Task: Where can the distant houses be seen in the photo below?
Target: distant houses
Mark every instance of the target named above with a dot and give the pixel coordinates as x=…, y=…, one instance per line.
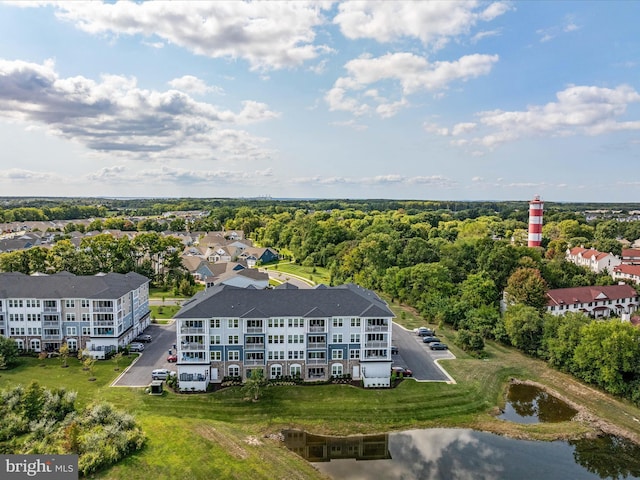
x=595, y=301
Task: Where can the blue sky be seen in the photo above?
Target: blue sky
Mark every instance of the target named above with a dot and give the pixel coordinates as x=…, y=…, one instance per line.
x=405, y=100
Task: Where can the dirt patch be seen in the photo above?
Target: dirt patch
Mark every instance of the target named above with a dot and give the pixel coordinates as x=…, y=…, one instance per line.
x=224, y=441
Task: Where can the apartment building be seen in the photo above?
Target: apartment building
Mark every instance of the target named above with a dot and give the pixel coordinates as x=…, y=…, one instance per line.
x=592, y=259
x=99, y=313
x=596, y=301
x=311, y=333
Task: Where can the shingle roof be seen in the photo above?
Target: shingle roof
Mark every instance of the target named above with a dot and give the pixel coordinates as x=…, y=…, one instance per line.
x=570, y=296
x=628, y=269
x=68, y=285
x=341, y=301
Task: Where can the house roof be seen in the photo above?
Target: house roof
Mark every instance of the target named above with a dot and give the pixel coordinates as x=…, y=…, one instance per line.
x=341, y=301
x=570, y=296
x=588, y=253
x=631, y=252
x=627, y=269
x=68, y=285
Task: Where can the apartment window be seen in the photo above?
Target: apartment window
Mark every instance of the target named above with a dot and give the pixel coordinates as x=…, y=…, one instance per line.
x=30, y=303
x=276, y=371
x=84, y=303
x=276, y=355
x=15, y=303
x=232, y=323
x=233, y=355
x=355, y=322
x=216, y=356
x=295, y=339
x=70, y=303
x=355, y=338
x=86, y=317
x=336, y=354
x=337, y=322
x=276, y=339
x=86, y=330
x=72, y=331
x=71, y=317
x=296, y=322
x=214, y=340
x=336, y=370
x=354, y=354
x=215, y=323
x=234, y=371
x=295, y=370
x=234, y=340
x=336, y=338
x=296, y=354
x=276, y=322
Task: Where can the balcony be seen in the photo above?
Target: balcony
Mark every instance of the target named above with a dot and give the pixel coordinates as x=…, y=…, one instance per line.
x=253, y=363
x=317, y=329
x=104, y=323
x=255, y=330
x=376, y=344
x=102, y=309
x=317, y=361
x=51, y=310
x=254, y=346
x=190, y=359
x=376, y=357
x=192, y=346
x=376, y=328
x=185, y=330
x=50, y=336
x=49, y=323
x=317, y=345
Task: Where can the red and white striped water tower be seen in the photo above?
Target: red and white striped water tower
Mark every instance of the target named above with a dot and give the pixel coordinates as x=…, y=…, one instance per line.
x=535, y=221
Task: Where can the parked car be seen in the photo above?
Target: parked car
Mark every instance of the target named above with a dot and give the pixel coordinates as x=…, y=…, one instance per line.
x=426, y=332
x=161, y=374
x=394, y=350
x=136, y=347
x=172, y=358
x=438, y=346
x=401, y=371
x=143, y=339
x=430, y=339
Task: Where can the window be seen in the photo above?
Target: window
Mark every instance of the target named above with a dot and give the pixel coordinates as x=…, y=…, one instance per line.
x=337, y=322
x=72, y=331
x=337, y=338
x=216, y=356
x=336, y=370
x=233, y=355
x=354, y=354
x=215, y=323
x=234, y=371
x=86, y=317
x=234, y=340
x=232, y=323
x=70, y=303
x=276, y=371
x=276, y=339
x=84, y=303
x=296, y=322
x=276, y=355
x=295, y=339
x=355, y=338
x=276, y=322
x=70, y=317
x=295, y=370
x=214, y=340
x=296, y=355
x=355, y=322
x=336, y=354
x=86, y=330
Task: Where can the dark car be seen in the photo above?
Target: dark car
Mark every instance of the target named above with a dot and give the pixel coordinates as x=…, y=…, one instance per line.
x=143, y=339
x=401, y=371
x=430, y=339
x=425, y=332
x=394, y=350
x=438, y=346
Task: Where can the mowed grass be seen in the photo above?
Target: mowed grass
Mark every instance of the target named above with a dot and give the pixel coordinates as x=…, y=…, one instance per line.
x=164, y=312
x=222, y=435
x=313, y=274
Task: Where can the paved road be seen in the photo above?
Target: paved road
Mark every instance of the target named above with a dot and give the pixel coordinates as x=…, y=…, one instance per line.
x=154, y=356
x=417, y=357
x=286, y=277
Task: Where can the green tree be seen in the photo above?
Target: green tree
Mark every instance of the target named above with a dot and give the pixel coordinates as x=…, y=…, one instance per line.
x=527, y=286
x=9, y=352
x=524, y=326
x=64, y=353
x=255, y=384
x=561, y=337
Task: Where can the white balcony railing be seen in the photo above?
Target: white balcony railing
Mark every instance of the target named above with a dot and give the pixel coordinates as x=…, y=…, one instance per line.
x=254, y=346
x=317, y=361
x=255, y=330
x=376, y=328
x=253, y=363
x=376, y=344
x=317, y=345
x=184, y=330
x=192, y=346
x=315, y=329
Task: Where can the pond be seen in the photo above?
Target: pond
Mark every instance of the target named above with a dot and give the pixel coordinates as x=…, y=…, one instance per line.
x=433, y=454
x=530, y=404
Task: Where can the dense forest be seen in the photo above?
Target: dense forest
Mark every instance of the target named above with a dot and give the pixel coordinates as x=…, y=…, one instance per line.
x=452, y=261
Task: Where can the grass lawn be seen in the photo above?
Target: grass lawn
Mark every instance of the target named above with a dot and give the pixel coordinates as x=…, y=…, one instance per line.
x=163, y=312
x=320, y=275
x=221, y=435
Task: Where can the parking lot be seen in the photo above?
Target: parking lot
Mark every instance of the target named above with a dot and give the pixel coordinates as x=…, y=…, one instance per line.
x=418, y=357
x=154, y=356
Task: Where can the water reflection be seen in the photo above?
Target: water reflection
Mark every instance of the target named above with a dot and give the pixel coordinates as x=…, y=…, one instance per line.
x=465, y=454
x=530, y=404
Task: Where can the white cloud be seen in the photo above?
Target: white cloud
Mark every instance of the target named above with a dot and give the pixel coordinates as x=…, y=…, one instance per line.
x=116, y=116
x=433, y=23
x=579, y=110
x=191, y=84
x=268, y=35
x=378, y=180
x=412, y=72
x=359, y=127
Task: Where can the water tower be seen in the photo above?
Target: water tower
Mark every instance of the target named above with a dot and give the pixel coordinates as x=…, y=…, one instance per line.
x=535, y=222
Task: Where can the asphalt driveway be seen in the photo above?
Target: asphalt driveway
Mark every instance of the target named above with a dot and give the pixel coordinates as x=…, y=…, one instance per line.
x=418, y=357
x=154, y=356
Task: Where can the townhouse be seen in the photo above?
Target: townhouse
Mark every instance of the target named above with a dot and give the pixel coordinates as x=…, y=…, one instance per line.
x=592, y=259
x=313, y=334
x=596, y=301
x=99, y=313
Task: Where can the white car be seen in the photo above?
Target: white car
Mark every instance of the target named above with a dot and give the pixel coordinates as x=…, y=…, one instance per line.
x=136, y=347
x=161, y=374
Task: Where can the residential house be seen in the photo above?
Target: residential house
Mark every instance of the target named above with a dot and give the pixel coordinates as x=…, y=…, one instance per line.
x=239, y=277
x=627, y=272
x=253, y=255
x=592, y=259
x=597, y=301
x=315, y=333
x=631, y=256
x=99, y=313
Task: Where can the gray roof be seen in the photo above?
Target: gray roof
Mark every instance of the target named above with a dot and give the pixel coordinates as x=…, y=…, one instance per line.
x=68, y=285
x=342, y=301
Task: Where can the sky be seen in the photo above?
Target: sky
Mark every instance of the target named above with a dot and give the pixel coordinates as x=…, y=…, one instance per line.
x=424, y=100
